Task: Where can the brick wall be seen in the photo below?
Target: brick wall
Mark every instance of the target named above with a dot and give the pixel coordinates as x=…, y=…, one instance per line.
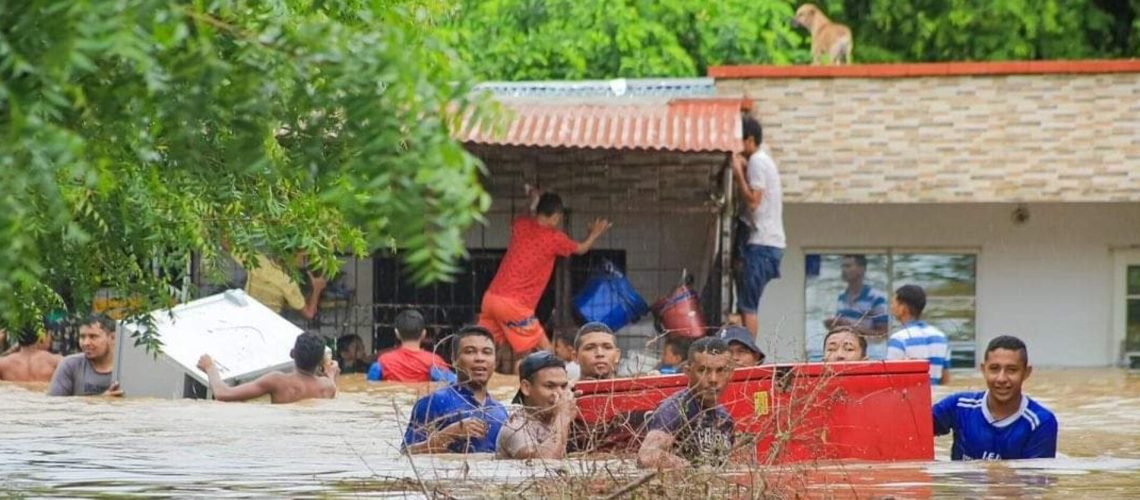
x=970, y=133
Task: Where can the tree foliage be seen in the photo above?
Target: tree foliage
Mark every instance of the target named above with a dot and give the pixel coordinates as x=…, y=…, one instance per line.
x=136, y=132
x=574, y=39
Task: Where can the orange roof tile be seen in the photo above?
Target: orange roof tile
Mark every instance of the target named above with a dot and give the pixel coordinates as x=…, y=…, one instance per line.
x=683, y=125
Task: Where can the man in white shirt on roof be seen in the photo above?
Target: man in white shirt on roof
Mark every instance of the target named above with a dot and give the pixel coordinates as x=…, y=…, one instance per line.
x=916, y=339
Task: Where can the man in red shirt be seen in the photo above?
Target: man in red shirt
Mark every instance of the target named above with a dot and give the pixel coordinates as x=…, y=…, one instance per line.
x=409, y=362
x=536, y=241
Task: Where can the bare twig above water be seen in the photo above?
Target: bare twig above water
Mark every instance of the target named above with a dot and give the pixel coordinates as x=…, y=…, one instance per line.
x=411, y=460
x=637, y=483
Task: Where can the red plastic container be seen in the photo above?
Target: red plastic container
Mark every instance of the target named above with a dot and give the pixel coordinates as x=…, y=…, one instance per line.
x=680, y=314
x=872, y=410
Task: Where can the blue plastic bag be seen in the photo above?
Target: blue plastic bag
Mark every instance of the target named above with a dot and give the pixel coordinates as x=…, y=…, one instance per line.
x=609, y=297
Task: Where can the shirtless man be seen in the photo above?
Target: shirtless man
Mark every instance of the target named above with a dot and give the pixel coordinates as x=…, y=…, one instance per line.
x=33, y=362
x=283, y=388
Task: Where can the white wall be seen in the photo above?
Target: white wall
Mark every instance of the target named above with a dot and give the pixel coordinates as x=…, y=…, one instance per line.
x=1048, y=281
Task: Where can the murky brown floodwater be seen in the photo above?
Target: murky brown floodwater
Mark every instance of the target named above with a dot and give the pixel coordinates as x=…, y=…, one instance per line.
x=349, y=447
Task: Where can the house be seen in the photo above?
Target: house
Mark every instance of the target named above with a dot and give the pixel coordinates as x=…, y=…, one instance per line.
x=1011, y=191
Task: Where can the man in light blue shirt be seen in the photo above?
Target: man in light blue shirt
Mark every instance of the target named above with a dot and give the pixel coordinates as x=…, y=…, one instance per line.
x=916, y=339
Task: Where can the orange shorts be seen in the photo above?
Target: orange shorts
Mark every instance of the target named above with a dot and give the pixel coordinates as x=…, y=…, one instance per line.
x=506, y=318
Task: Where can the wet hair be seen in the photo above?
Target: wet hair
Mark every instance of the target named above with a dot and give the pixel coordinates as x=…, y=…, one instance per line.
x=28, y=336
x=588, y=328
x=345, y=341
x=100, y=320
x=709, y=345
x=860, y=260
x=913, y=298
x=678, y=346
x=308, y=351
x=468, y=331
x=409, y=325
x=549, y=204
x=1008, y=342
x=846, y=329
x=752, y=129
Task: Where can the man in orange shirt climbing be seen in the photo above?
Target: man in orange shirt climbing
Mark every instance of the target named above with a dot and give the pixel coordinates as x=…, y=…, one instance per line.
x=509, y=303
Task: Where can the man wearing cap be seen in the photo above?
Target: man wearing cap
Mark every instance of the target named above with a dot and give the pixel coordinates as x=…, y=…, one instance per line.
x=537, y=240
x=541, y=427
x=741, y=347
x=692, y=426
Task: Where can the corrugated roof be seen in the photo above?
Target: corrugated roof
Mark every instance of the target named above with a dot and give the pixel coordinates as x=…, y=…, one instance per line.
x=683, y=125
x=646, y=87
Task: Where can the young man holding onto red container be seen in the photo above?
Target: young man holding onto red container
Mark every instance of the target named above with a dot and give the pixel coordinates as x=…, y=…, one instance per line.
x=509, y=304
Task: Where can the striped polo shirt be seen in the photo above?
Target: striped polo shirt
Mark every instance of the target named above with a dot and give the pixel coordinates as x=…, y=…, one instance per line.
x=869, y=309
x=918, y=340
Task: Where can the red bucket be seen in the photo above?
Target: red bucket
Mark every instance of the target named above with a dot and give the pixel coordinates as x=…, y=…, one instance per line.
x=679, y=314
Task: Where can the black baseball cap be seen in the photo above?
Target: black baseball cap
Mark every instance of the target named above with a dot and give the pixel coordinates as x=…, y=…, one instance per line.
x=742, y=336
x=532, y=364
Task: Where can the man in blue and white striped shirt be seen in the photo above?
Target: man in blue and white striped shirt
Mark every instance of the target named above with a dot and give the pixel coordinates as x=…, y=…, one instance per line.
x=861, y=307
x=916, y=339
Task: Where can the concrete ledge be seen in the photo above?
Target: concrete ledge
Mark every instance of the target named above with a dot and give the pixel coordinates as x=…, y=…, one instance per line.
x=913, y=70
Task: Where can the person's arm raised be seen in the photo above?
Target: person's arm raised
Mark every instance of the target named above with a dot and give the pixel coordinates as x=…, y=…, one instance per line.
x=597, y=229
x=244, y=392
x=555, y=446
x=752, y=197
x=313, y=301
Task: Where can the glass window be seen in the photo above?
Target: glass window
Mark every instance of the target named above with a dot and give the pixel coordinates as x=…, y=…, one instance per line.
x=1132, y=330
x=1133, y=280
x=1132, y=326
x=855, y=289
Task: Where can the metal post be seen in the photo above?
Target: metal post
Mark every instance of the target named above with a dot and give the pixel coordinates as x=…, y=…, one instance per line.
x=726, y=227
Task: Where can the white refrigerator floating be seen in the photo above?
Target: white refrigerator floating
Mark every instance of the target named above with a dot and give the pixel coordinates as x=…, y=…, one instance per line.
x=245, y=339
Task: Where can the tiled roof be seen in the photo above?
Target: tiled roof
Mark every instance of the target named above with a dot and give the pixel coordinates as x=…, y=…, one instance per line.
x=683, y=125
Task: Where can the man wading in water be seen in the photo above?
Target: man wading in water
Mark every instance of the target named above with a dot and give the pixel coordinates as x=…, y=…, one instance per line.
x=282, y=388
x=692, y=426
x=541, y=427
x=89, y=373
x=462, y=417
x=33, y=362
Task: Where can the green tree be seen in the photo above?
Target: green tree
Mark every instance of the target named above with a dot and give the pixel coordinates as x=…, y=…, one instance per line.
x=134, y=133
x=578, y=39
x=975, y=30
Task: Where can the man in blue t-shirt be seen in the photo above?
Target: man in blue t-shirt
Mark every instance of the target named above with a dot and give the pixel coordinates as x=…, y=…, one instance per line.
x=462, y=417
x=692, y=426
x=1001, y=423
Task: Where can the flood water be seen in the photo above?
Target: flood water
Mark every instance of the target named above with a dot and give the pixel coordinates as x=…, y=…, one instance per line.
x=350, y=447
